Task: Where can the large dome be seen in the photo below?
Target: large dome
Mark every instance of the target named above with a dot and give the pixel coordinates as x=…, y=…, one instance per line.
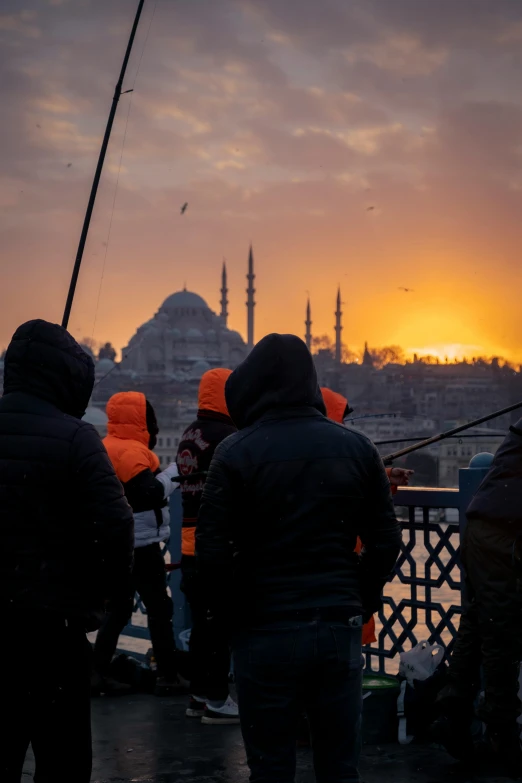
x=184, y=299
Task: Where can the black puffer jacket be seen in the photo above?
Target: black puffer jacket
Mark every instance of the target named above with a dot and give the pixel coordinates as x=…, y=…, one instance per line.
x=287, y=496
x=498, y=500
x=66, y=530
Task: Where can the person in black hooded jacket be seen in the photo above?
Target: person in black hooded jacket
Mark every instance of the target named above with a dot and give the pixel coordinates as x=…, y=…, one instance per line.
x=490, y=631
x=67, y=537
x=283, y=504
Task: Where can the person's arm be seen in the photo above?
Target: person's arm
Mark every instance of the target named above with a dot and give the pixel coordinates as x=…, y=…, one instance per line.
x=398, y=477
x=103, y=506
x=146, y=491
x=380, y=535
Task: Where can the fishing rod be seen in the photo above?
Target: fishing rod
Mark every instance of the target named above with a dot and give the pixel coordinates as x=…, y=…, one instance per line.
x=99, y=167
x=419, y=437
x=373, y=416
x=388, y=460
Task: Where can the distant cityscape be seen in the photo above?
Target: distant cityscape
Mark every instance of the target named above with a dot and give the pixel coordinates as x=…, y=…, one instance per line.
x=393, y=399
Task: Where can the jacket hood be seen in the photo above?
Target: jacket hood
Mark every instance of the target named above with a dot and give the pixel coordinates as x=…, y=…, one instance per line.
x=127, y=414
x=44, y=360
x=278, y=373
x=336, y=404
x=211, y=395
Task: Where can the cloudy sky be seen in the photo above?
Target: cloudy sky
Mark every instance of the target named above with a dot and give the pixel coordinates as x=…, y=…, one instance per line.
x=375, y=144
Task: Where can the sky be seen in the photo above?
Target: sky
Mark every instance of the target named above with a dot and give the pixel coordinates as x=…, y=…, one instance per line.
x=371, y=144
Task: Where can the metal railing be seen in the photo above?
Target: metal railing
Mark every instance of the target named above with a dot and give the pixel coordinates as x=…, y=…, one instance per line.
x=423, y=599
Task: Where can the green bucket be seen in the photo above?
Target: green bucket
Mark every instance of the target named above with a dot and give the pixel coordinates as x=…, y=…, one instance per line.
x=380, y=723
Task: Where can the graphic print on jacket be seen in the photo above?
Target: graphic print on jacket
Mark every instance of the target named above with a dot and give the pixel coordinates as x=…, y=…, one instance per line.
x=147, y=488
x=197, y=447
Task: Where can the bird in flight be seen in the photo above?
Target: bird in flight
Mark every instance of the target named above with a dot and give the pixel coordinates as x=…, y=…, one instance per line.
x=406, y=290
x=184, y=208
x=69, y=165
x=369, y=209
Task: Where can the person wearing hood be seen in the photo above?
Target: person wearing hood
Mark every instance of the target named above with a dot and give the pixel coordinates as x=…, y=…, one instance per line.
x=67, y=544
x=338, y=409
x=209, y=648
x=488, y=649
x=283, y=504
x=132, y=433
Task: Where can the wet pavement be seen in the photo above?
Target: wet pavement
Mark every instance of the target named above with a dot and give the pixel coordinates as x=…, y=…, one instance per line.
x=143, y=739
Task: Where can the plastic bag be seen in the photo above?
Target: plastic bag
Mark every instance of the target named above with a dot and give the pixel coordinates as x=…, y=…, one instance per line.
x=422, y=671
x=420, y=662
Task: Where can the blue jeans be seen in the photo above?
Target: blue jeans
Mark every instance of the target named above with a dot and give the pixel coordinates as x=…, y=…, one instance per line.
x=284, y=668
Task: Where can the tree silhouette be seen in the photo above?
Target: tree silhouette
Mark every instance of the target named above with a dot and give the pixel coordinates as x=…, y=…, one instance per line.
x=107, y=351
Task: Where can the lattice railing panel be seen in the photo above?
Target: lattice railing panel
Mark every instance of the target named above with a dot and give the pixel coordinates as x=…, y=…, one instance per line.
x=423, y=599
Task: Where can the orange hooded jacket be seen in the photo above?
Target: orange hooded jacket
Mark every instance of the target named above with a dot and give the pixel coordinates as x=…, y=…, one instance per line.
x=197, y=446
x=147, y=489
x=127, y=440
x=336, y=406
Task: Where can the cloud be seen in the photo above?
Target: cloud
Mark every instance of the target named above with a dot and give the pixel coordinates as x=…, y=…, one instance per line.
x=402, y=53
x=277, y=122
x=21, y=23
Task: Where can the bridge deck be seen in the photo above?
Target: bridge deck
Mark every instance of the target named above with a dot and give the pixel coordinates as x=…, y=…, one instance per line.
x=142, y=739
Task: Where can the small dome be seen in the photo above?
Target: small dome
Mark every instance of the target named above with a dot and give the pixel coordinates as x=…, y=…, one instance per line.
x=95, y=416
x=104, y=366
x=184, y=299
x=234, y=335
x=174, y=333
x=211, y=334
x=198, y=369
x=194, y=334
x=98, y=419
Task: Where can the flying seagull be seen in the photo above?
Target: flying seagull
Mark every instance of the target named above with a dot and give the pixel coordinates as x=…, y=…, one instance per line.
x=69, y=165
x=184, y=208
x=369, y=209
x=406, y=290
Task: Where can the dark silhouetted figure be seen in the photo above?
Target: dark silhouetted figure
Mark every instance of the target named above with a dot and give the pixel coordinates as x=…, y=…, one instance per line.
x=490, y=632
x=284, y=502
x=67, y=541
x=209, y=648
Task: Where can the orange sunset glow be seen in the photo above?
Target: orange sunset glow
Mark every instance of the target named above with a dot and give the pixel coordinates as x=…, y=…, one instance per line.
x=370, y=144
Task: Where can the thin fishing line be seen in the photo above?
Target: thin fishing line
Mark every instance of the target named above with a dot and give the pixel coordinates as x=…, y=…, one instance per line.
x=119, y=170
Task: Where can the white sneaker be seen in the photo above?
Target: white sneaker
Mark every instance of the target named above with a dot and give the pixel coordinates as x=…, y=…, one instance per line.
x=227, y=713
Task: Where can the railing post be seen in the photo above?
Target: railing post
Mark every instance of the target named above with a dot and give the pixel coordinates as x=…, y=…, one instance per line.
x=469, y=481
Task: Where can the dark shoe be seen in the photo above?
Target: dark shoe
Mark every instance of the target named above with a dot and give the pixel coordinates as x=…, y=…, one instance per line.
x=455, y=737
x=106, y=686
x=506, y=750
x=169, y=686
x=196, y=708
x=226, y=714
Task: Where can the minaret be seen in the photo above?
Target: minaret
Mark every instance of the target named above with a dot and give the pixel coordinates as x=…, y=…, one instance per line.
x=250, y=300
x=224, y=294
x=338, y=327
x=367, y=357
x=308, y=324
